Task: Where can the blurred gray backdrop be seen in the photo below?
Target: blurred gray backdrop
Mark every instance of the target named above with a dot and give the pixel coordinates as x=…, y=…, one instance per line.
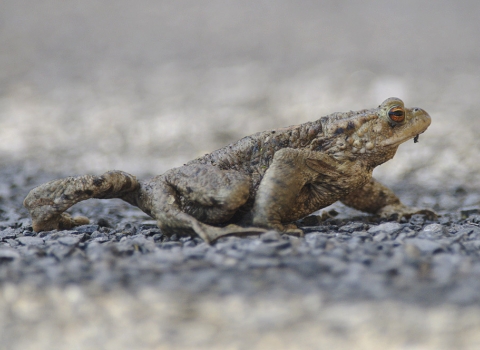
x=142, y=86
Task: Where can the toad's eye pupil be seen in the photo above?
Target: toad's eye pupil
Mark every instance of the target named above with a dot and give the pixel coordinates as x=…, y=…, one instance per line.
x=396, y=114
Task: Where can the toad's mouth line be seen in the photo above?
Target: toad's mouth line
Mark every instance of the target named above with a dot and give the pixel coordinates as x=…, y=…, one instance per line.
x=398, y=141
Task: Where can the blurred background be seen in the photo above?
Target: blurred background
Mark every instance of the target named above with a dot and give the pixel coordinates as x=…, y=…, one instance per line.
x=143, y=86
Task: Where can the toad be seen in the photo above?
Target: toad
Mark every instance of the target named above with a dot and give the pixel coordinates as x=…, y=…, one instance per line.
x=262, y=182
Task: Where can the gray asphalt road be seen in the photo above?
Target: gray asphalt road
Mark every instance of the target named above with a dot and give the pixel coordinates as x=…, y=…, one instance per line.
x=147, y=85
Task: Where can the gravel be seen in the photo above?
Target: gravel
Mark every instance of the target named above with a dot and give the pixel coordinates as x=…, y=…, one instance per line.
x=416, y=260
x=345, y=261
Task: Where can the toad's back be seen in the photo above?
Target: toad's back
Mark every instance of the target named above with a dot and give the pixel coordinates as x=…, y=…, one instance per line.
x=254, y=153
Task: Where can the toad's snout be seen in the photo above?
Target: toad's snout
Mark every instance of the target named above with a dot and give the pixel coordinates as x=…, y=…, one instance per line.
x=421, y=119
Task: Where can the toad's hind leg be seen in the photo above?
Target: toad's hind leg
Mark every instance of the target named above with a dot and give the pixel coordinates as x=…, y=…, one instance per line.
x=190, y=199
x=47, y=203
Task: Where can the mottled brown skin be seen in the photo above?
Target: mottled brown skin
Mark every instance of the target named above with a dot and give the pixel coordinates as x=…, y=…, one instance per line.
x=264, y=181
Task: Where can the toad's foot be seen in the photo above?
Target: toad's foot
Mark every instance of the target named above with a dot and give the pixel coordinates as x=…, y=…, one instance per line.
x=62, y=221
x=292, y=230
x=211, y=233
x=398, y=211
x=47, y=203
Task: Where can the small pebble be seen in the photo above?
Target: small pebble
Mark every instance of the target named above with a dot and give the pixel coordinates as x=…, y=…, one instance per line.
x=30, y=241
x=425, y=245
x=7, y=254
x=433, y=231
x=69, y=240
x=270, y=236
x=389, y=228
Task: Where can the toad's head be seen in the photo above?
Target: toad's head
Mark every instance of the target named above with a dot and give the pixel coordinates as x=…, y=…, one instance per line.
x=374, y=135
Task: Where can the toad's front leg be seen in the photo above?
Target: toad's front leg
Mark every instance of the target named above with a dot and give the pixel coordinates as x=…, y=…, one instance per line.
x=376, y=198
x=290, y=189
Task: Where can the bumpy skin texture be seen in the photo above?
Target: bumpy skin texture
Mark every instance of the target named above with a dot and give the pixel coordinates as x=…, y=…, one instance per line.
x=264, y=181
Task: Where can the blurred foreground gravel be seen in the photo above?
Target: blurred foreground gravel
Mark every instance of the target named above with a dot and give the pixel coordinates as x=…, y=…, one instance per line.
x=74, y=318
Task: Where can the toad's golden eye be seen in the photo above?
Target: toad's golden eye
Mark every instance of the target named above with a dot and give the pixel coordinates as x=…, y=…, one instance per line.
x=396, y=114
